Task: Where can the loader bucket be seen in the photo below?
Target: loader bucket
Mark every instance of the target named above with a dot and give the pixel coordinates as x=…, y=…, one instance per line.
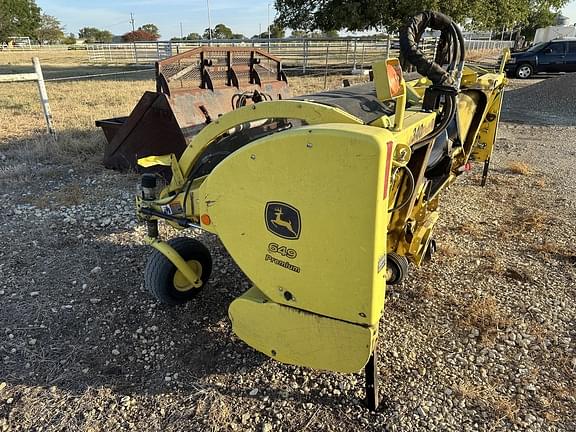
x=151, y=129
x=192, y=89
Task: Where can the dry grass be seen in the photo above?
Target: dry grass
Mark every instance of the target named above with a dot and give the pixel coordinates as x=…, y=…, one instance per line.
x=551, y=248
x=487, y=396
x=493, y=265
x=449, y=250
x=476, y=55
x=76, y=105
x=484, y=314
x=519, y=167
x=215, y=408
x=46, y=56
x=70, y=195
x=533, y=220
x=470, y=229
x=426, y=291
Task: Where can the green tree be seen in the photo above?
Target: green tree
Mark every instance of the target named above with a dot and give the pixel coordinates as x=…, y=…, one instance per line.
x=238, y=36
x=193, y=36
x=220, y=31
x=358, y=15
x=277, y=31
x=330, y=34
x=70, y=39
x=49, y=30
x=151, y=28
x=92, y=34
x=298, y=34
x=18, y=18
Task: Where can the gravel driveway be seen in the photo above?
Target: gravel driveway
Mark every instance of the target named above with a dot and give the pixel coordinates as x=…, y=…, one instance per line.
x=480, y=339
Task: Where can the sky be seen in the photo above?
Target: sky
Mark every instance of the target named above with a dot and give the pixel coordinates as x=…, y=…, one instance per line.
x=241, y=16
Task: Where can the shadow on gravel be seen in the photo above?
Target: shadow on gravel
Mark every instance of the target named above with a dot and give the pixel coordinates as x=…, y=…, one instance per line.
x=107, y=331
x=75, y=313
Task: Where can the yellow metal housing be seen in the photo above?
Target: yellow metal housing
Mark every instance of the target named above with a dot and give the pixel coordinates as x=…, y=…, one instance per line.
x=298, y=337
x=336, y=183
x=311, y=213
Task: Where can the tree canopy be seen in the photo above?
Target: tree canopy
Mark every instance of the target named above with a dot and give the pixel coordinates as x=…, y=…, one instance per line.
x=50, y=30
x=151, y=28
x=139, y=35
x=92, y=34
x=358, y=15
x=19, y=18
x=220, y=31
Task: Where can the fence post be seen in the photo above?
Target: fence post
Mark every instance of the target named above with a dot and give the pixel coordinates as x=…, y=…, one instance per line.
x=436, y=40
x=305, y=55
x=354, y=58
x=388, y=45
x=135, y=53
x=363, y=52
x=44, y=97
x=347, y=48
x=326, y=66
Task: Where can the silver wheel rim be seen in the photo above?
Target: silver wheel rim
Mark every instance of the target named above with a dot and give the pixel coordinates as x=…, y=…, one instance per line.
x=524, y=72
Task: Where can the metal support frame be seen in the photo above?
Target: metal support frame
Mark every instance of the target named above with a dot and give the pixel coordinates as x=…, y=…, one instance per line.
x=485, y=172
x=372, y=400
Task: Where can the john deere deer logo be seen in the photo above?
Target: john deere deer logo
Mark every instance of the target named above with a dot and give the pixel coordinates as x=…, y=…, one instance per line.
x=283, y=220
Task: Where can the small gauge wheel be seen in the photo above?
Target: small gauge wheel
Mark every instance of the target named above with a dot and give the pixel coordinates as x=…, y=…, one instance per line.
x=396, y=268
x=165, y=282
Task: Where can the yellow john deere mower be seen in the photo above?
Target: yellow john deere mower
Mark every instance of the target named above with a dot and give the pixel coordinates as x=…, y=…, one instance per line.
x=324, y=199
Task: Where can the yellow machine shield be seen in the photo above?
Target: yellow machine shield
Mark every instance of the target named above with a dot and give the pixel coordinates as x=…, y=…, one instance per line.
x=304, y=213
x=298, y=337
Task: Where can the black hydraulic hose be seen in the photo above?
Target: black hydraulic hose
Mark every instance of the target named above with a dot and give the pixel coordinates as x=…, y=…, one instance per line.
x=460, y=44
x=450, y=50
x=450, y=108
x=410, y=35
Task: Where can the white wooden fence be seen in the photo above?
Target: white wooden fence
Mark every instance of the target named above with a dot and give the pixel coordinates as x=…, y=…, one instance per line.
x=303, y=54
x=39, y=78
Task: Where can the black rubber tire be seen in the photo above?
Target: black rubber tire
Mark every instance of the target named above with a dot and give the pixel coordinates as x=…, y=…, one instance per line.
x=159, y=272
x=521, y=67
x=398, y=267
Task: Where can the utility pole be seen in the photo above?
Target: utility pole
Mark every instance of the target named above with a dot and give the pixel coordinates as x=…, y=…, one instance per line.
x=269, y=27
x=134, y=42
x=181, y=32
x=209, y=23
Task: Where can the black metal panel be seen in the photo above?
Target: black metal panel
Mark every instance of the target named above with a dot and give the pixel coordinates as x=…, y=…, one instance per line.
x=359, y=100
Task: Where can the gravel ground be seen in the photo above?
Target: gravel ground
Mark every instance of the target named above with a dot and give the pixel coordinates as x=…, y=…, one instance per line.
x=549, y=101
x=480, y=339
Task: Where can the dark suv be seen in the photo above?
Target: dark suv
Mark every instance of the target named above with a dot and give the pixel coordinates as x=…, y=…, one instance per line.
x=555, y=56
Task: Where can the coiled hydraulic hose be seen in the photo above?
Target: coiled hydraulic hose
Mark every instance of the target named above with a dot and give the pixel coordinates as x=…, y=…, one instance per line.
x=450, y=50
x=451, y=38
